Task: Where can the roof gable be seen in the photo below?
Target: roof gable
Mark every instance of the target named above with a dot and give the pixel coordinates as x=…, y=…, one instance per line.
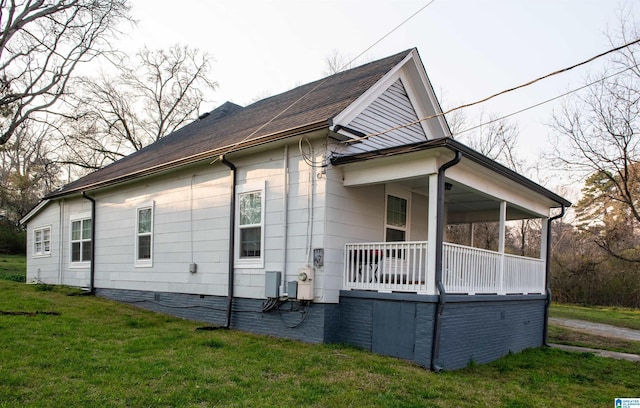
x=403, y=96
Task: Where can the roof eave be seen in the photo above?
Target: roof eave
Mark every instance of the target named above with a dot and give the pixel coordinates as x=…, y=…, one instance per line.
x=208, y=155
x=467, y=152
x=35, y=210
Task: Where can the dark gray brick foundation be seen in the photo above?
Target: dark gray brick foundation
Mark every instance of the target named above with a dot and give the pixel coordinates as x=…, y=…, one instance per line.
x=319, y=325
x=474, y=328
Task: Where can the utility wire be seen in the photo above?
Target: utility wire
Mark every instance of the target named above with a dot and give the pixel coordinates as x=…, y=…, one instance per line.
x=546, y=101
x=358, y=139
x=325, y=79
x=387, y=34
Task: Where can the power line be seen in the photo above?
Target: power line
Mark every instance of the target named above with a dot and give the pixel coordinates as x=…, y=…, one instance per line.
x=386, y=35
x=546, y=101
x=325, y=79
x=358, y=139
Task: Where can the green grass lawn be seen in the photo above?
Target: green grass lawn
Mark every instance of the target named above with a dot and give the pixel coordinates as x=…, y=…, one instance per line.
x=88, y=351
x=13, y=267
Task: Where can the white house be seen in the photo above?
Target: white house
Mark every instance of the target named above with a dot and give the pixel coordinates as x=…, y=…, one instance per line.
x=318, y=214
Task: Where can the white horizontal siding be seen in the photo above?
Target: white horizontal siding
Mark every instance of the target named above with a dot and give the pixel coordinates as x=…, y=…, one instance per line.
x=389, y=110
x=352, y=215
x=44, y=268
x=188, y=205
x=191, y=224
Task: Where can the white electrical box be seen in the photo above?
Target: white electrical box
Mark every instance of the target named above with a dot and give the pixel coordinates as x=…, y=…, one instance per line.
x=306, y=280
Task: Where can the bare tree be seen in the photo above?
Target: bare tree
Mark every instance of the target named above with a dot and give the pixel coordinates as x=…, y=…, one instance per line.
x=41, y=44
x=150, y=97
x=336, y=62
x=496, y=139
x=26, y=169
x=597, y=140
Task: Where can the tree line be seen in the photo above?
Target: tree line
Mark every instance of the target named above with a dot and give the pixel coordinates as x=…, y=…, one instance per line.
x=57, y=124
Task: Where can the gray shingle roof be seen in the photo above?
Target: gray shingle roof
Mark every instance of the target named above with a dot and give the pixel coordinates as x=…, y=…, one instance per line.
x=230, y=125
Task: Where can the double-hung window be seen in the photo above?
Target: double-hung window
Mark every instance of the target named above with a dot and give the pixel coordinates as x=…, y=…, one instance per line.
x=81, y=236
x=42, y=241
x=396, y=219
x=144, y=235
x=250, y=218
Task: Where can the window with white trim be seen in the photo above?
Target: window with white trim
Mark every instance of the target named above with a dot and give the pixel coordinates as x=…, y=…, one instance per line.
x=81, y=236
x=396, y=219
x=250, y=226
x=144, y=234
x=42, y=241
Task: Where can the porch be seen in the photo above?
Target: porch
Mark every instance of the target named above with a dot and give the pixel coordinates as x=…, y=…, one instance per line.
x=405, y=267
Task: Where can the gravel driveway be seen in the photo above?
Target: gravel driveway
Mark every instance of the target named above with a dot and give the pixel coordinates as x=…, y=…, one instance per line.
x=599, y=329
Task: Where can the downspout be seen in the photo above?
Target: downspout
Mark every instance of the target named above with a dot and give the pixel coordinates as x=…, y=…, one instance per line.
x=92, y=268
x=547, y=275
x=232, y=237
x=60, y=240
x=442, y=294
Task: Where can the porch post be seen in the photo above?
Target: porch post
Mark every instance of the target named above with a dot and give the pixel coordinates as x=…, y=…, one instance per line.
x=503, y=219
x=471, y=228
x=432, y=222
x=543, y=238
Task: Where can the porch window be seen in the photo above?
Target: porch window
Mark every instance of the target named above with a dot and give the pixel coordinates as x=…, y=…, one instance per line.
x=81, y=236
x=250, y=241
x=42, y=241
x=144, y=234
x=396, y=223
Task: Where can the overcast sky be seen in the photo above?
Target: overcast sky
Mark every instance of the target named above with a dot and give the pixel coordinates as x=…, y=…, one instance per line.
x=470, y=48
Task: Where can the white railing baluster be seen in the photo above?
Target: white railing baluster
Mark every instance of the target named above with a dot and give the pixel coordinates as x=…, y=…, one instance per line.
x=401, y=267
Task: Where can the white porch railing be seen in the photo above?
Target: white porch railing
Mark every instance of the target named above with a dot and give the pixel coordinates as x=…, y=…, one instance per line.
x=402, y=267
x=386, y=266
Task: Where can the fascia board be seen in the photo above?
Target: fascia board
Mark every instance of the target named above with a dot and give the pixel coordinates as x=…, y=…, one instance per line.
x=419, y=89
x=389, y=169
x=499, y=187
x=370, y=95
x=35, y=210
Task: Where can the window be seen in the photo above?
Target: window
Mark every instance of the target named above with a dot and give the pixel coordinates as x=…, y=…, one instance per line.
x=42, y=241
x=250, y=216
x=81, y=235
x=396, y=225
x=144, y=235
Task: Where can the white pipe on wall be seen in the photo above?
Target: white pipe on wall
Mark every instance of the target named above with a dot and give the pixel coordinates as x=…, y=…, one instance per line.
x=285, y=217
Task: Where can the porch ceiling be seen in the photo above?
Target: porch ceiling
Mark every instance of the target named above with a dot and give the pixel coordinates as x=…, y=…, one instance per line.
x=465, y=204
